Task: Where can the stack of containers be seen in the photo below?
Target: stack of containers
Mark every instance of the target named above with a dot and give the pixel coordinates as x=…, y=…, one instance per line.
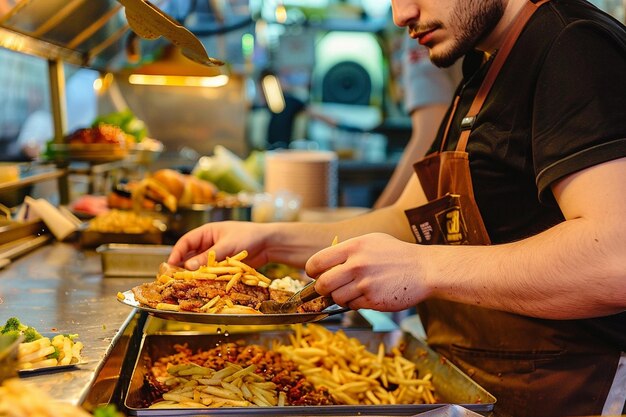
x=310, y=174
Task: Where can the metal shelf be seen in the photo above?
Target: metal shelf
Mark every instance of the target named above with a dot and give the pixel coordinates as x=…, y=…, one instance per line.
x=32, y=179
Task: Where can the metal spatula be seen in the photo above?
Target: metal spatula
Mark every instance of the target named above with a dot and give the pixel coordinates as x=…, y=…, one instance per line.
x=150, y=22
x=306, y=294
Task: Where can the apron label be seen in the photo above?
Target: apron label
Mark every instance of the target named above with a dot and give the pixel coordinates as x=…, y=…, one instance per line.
x=439, y=222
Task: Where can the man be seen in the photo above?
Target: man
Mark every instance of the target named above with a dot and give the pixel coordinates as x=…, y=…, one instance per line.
x=427, y=92
x=534, y=307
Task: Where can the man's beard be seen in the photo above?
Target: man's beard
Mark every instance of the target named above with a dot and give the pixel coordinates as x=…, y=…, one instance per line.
x=472, y=28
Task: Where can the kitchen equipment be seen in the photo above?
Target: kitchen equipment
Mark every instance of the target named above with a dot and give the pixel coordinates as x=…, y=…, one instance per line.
x=187, y=218
x=62, y=225
x=306, y=294
x=149, y=22
x=92, y=239
x=235, y=319
x=451, y=385
x=132, y=260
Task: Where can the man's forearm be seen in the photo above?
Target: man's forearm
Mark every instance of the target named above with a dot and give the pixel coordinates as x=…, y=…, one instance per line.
x=294, y=243
x=577, y=269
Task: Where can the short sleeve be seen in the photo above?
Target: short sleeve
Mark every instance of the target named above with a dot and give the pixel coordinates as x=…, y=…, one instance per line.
x=579, y=115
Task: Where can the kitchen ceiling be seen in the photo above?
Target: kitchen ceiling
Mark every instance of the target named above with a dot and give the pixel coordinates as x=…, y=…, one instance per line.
x=95, y=33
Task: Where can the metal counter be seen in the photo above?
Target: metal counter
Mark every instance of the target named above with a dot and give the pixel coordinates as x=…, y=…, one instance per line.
x=58, y=288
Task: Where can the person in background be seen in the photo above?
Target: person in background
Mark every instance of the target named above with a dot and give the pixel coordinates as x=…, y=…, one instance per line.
x=520, y=274
x=38, y=127
x=427, y=93
x=285, y=111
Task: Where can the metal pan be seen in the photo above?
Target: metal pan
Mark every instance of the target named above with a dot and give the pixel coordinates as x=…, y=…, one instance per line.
x=130, y=260
x=236, y=319
x=452, y=386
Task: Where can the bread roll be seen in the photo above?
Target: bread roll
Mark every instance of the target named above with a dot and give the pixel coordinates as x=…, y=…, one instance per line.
x=172, y=180
x=197, y=191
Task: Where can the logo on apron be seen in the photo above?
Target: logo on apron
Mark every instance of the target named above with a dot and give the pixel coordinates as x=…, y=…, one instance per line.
x=440, y=221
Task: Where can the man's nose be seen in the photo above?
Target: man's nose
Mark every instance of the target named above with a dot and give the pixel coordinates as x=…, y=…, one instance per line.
x=404, y=12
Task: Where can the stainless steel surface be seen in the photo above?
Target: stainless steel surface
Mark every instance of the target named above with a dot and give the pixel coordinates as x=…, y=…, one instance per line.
x=22, y=246
x=119, y=260
x=451, y=385
x=91, y=239
x=83, y=33
x=451, y=410
x=14, y=230
x=58, y=288
x=236, y=319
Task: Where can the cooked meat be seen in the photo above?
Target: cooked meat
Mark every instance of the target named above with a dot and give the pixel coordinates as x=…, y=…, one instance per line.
x=148, y=294
x=272, y=366
x=190, y=295
x=316, y=305
x=280, y=295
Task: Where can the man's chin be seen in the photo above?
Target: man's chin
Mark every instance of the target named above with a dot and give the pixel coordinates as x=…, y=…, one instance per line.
x=445, y=54
x=442, y=60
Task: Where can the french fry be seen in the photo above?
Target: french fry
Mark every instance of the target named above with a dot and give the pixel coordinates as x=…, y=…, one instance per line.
x=168, y=307
x=221, y=270
x=352, y=374
x=211, y=303
x=240, y=256
x=210, y=257
x=41, y=353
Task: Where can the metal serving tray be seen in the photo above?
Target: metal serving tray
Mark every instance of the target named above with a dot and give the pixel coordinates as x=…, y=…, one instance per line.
x=452, y=386
x=130, y=260
x=451, y=410
x=91, y=239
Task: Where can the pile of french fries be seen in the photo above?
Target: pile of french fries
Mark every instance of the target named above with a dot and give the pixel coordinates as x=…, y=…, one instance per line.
x=19, y=398
x=352, y=374
x=231, y=269
x=123, y=221
x=35, y=354
x=195, y=386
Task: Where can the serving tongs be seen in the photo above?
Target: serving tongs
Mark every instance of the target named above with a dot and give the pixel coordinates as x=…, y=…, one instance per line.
x=150, y=22
x=305, y=295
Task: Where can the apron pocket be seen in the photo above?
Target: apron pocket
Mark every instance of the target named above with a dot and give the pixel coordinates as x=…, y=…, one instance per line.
x=503, y=362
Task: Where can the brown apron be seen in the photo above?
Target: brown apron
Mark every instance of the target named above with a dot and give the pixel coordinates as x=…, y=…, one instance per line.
x=533, y=367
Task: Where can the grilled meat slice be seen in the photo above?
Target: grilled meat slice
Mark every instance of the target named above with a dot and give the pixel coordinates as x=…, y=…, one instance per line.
x=148, y=294
x=190, y=295
x=316, y=305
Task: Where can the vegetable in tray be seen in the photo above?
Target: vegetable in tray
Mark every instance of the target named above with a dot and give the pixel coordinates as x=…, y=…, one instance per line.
x=38, y=351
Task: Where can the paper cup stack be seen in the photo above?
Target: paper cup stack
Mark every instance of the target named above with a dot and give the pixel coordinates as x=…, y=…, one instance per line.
x=310, y=174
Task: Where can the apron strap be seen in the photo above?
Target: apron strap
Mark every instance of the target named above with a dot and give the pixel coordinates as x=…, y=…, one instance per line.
x=500, y=58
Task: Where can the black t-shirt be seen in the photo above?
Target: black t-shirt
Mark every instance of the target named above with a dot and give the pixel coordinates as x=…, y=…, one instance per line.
x=558, y=106
x=280, y=126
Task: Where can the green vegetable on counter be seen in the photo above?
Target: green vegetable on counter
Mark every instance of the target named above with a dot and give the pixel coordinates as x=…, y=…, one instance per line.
x=227, y=171
x=14, y=327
